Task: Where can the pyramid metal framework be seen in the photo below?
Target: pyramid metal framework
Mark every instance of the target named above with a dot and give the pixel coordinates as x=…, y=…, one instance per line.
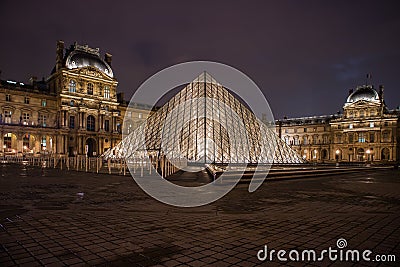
x=205, y=123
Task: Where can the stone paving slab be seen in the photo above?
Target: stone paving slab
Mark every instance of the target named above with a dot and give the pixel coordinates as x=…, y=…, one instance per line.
x=45, y=222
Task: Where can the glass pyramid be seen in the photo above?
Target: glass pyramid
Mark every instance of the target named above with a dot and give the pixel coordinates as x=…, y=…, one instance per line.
x=205, y=123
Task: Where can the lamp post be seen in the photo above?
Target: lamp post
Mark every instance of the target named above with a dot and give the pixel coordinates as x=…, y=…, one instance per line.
x=368, y=155
x=337, y=156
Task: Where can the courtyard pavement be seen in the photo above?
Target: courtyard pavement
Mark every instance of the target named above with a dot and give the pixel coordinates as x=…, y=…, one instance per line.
x=61, y=218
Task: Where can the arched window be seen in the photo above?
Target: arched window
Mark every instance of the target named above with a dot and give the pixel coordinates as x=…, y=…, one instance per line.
x=106, y=92
x=315, y=139
x=296, y=140
x=90, y=123
x=385, y=155
x=305, y=140
x=72, y=86
x=43, y=143
x=7, y=140
x=287, y=140
x=90, y=89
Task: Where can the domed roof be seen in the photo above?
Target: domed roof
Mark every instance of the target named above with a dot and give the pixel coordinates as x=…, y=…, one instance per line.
x=366, y=93
x=80, y=59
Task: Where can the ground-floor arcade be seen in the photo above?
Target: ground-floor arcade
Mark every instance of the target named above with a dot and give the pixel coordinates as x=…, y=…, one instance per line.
x=27, y=141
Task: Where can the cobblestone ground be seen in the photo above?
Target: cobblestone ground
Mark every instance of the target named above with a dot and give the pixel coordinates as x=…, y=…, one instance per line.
x=57, y=218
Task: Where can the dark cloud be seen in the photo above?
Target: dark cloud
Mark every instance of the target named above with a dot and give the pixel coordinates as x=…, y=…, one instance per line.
x=303, y=55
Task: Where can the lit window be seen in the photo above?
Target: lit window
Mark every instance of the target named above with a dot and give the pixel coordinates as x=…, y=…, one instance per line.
x=107, y=92
x=361, y=137
x=7, y=116
x=7, y=140
x=25, y=142
x=72, y=86
x=42, y=120
x=90, y=89
x=26, y=100
x=350, y=126
x=140, y=115
x=371, y=124
x=43, y=143
x=8, y=98
x=25, y=118
x=44, y=102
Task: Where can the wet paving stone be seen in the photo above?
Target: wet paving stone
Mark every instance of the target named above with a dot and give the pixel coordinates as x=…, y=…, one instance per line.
x=77, y=219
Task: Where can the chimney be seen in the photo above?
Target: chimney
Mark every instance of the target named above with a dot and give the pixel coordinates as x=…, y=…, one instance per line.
x=351, y=91
x=32, y=80
x=381, y=91
x=120, y=97
x=108, y=58
x=59, y=55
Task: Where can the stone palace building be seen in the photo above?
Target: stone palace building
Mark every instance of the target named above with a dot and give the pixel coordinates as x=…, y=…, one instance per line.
x=365, y=131
x=77, y=110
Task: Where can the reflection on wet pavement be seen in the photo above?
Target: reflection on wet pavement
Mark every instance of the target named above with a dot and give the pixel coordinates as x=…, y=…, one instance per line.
x=56, y=217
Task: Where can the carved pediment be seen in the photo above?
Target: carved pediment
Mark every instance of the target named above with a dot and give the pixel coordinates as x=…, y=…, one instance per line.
x=362, y=104
x=91, y=71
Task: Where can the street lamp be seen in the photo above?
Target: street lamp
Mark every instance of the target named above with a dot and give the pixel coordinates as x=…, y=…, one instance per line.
x=337, y=156
x=368, y=154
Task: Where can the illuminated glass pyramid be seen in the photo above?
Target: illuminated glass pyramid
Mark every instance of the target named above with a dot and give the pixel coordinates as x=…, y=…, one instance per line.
x=205, y=123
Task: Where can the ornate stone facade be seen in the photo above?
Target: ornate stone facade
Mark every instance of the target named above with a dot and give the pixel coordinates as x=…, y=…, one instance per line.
x=366, y=131
x=75, y=111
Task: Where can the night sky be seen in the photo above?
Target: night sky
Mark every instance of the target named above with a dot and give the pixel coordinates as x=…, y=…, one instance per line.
x=304, y=55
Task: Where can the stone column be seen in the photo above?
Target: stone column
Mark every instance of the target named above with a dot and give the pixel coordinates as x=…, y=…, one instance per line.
x=67, y=119
x=65, y=144
x=78, y=120
x=19, y=142
x=84, y=120
x=2, y=141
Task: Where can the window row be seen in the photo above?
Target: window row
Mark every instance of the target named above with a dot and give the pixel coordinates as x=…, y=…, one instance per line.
x=24, y=119
x=27, y=100
x=306, y=140
x=362, y=137
x=89, y=89
x=90, y=124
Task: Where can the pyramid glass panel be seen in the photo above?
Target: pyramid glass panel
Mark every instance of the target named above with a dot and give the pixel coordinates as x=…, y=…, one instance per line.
x=205, y=123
